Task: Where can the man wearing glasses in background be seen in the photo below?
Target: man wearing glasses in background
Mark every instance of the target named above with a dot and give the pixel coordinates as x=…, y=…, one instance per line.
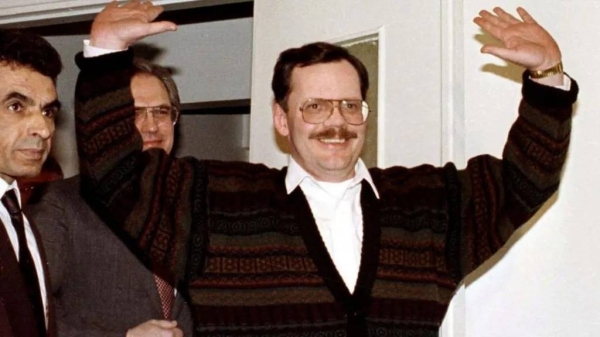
x=100, y=287
x=324, y=246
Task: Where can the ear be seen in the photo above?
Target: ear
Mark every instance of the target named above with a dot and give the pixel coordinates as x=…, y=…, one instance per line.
x=280, y=120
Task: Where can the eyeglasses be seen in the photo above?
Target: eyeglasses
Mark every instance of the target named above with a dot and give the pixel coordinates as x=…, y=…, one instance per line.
x=160, y=114
x=318, y=110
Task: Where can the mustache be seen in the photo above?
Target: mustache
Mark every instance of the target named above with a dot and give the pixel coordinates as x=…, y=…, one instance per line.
x=32, y=143
x=340, y=133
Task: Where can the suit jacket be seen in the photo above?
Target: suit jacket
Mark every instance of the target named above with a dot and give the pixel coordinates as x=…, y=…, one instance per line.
x=100, y=288
x=16, y=319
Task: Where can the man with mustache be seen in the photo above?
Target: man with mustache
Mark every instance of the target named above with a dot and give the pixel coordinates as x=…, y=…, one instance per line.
x=29, y=66
x=100, y=287
x=325, y=245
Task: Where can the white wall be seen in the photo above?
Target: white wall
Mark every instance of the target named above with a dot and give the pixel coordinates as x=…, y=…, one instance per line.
x=545, y=283
x=64, y=148
x=208, y=70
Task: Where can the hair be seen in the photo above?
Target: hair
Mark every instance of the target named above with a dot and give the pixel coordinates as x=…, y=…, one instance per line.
x=142, y=66
x=21, y=48
x=310, y=54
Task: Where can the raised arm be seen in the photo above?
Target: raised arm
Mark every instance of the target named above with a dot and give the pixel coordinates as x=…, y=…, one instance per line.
x=498, y=196
x=146, y=194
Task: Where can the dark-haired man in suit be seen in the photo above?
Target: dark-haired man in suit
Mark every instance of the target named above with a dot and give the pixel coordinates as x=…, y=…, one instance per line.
x=29, y=66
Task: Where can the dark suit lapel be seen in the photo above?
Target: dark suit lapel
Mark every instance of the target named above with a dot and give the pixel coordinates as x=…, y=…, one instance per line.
x=51, y=328
x=178, y=305
x=13, y=294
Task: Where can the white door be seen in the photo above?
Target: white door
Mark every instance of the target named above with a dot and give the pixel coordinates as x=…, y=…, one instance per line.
x=414, y=92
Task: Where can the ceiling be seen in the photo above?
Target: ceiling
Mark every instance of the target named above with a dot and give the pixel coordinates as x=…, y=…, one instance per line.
x=32, y=13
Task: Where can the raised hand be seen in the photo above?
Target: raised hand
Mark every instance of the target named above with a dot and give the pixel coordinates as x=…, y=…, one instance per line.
x=525, y=42
x=117, y=27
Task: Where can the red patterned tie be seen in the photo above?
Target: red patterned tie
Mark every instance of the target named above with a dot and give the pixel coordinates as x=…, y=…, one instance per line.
x=167, y=296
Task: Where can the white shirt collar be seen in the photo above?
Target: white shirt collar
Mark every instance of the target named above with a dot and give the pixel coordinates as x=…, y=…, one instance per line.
x=296, y=174
x=4, y=187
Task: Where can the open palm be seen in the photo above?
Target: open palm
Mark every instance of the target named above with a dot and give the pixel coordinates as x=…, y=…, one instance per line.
x=117, y=27
x=524, y=41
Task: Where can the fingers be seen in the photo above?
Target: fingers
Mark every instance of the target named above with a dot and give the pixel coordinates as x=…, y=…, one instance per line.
x=525, y=15
x=160, y=27
x=490, y=27
x=164, y=323
x=177, y=332
x=500, y=24
x=514, y=55
x=168, y=328
x=146, y=6
x=505, y=17
x=506, y=54
x=501, y=18
x=155, y=327
x=148, y=13
x=500, y=52
x=152, y=11
x=131, y=4
x=489, y=17
x=112, y=4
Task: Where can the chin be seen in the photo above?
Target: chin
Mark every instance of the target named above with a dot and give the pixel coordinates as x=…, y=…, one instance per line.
x=339, y=167
x=29, y=172
x=152, y=146
x=338, y=163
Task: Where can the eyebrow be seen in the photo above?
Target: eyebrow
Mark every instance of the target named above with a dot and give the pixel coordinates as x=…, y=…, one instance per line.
x=28, y=101
x=54, y=104
x=18, y=96
x=166, y=105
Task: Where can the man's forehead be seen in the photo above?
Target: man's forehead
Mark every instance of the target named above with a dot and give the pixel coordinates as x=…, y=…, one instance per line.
x=148, y=89
x=14, y=66
x=325, y=67
x=330, y=77
x=27, y=82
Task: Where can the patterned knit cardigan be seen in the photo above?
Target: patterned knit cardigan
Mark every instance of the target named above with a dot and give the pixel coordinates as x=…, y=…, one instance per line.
x=250, y=257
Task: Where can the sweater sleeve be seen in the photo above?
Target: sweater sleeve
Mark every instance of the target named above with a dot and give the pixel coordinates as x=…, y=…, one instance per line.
x=498, y=196
x=146, y=194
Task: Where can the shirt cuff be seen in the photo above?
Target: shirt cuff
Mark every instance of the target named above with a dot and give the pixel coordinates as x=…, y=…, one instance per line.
x=566, y=86
x=91, y=51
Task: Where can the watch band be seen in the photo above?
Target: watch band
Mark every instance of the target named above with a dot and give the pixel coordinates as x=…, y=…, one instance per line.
x=557, y=69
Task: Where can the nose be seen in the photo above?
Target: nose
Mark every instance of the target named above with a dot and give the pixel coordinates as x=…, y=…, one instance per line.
x=148, y=124
x=336, y=117
x=41, y=126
